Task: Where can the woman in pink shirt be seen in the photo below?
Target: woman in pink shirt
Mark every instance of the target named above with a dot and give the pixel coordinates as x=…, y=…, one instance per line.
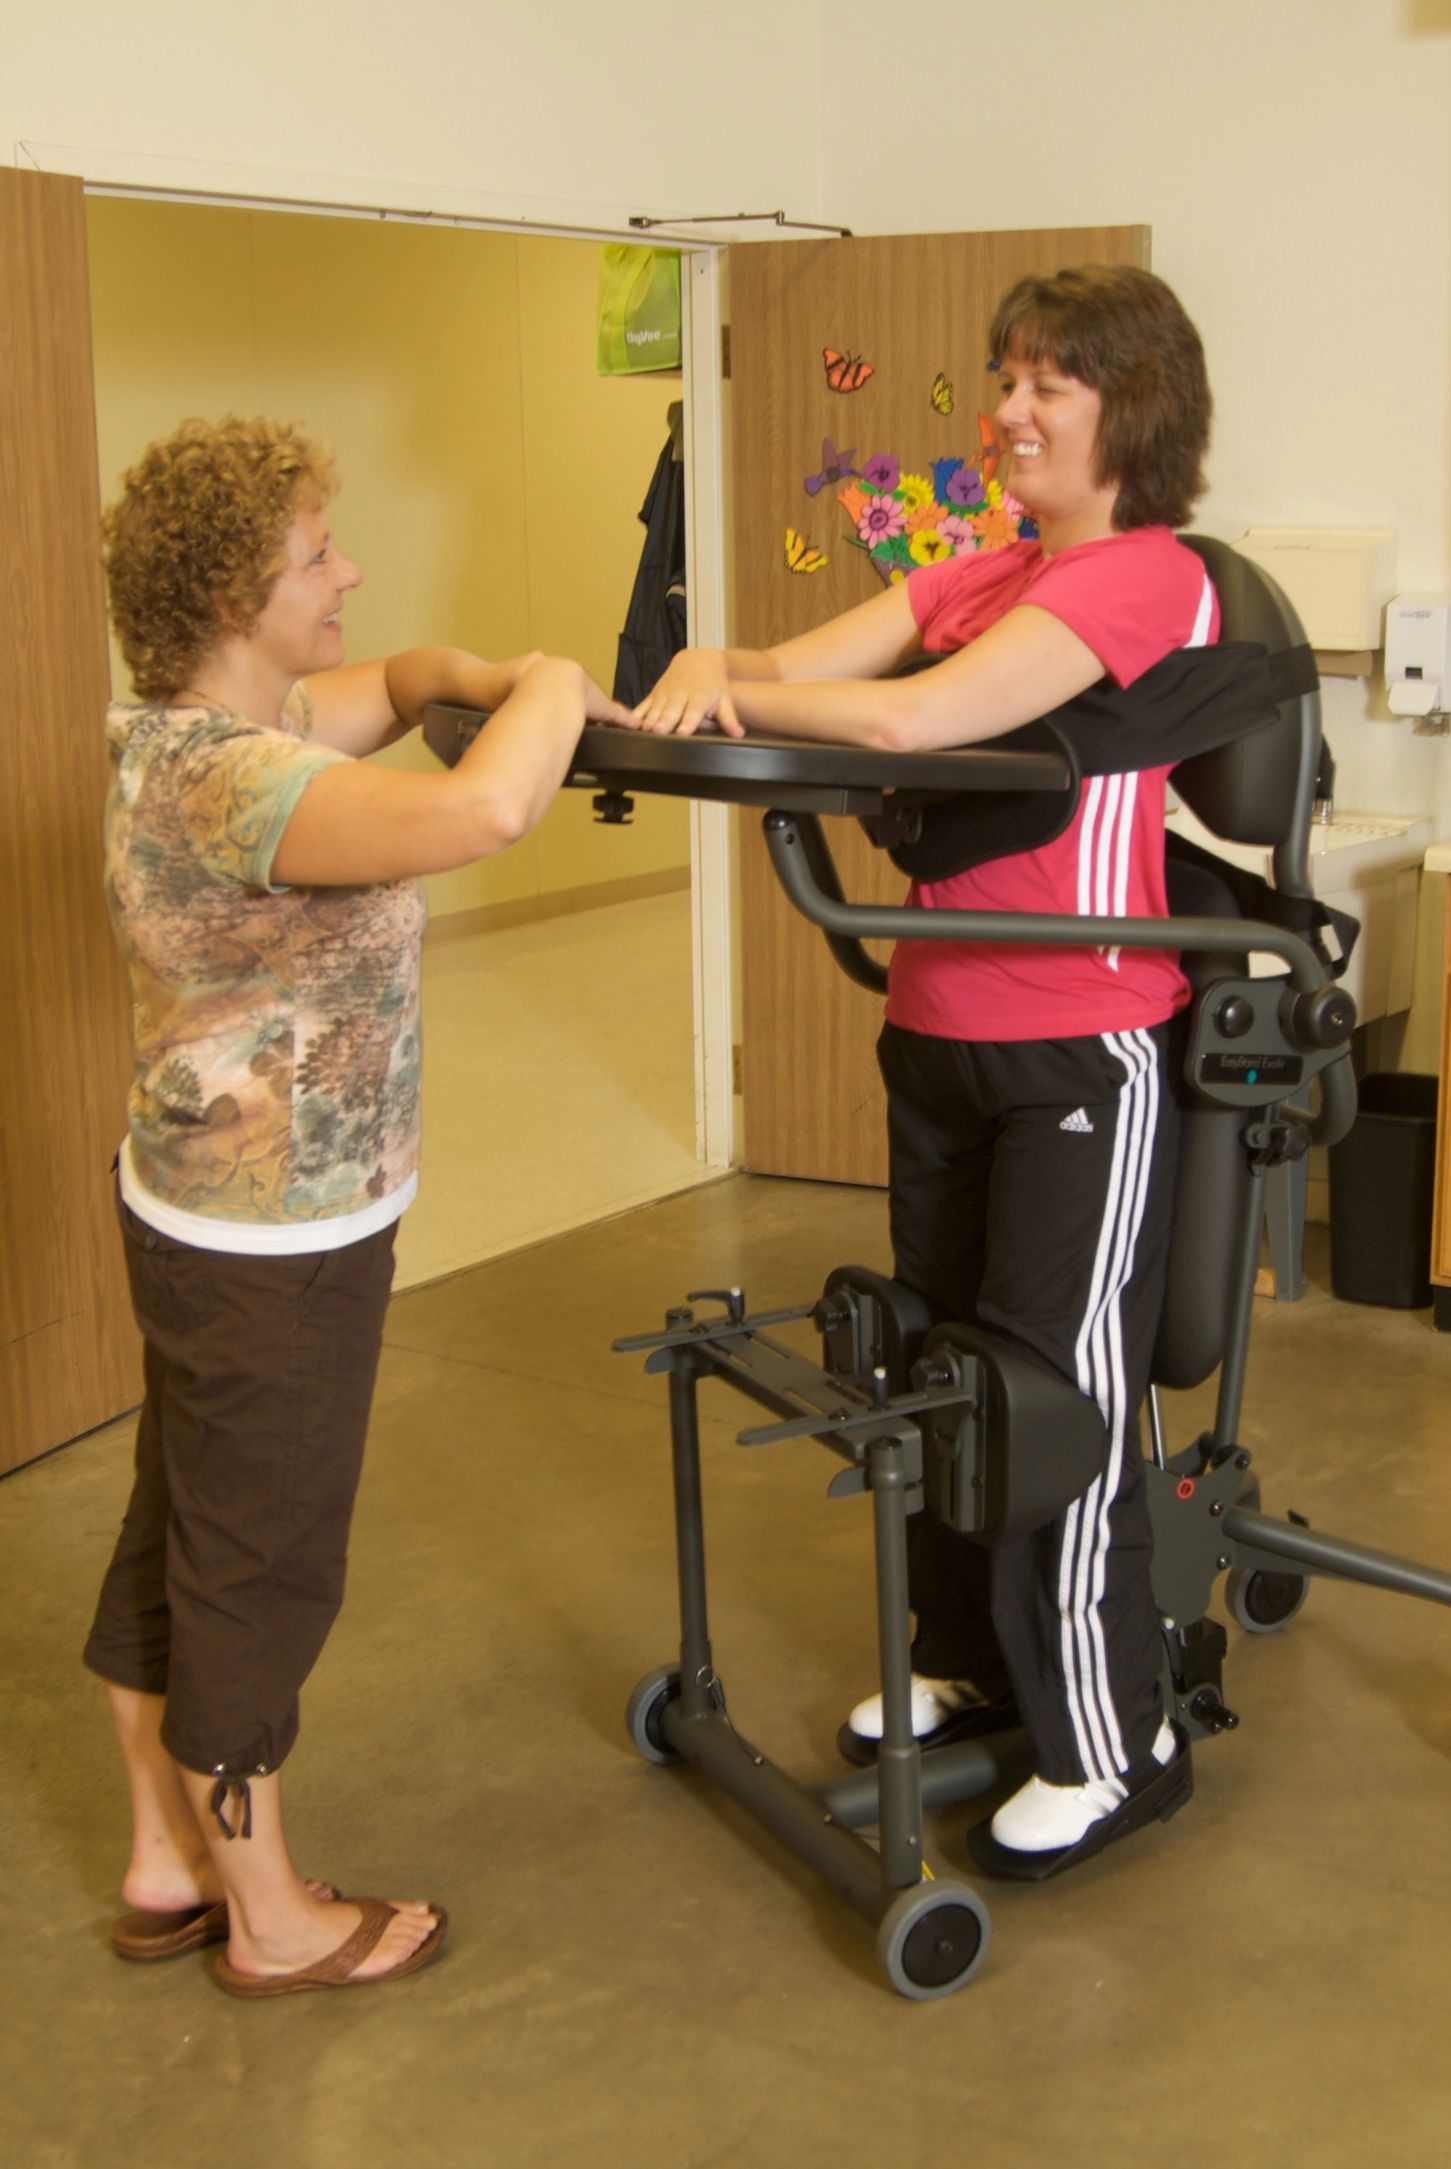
x=1031, y=1130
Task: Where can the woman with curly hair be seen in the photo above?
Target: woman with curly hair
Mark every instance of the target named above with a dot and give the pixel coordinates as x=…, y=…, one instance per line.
x=1031, y=1122
x=262, y=880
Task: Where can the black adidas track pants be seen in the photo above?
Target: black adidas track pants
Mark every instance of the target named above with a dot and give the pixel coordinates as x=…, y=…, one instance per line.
x=1031, y=1191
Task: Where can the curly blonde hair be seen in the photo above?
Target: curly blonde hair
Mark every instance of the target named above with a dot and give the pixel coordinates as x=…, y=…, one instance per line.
x=196, y=539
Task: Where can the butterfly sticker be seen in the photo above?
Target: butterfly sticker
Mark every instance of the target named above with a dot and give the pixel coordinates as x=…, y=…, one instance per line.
x=800, y=555
x=845, y=372
x=941, y=394
x=835, y=467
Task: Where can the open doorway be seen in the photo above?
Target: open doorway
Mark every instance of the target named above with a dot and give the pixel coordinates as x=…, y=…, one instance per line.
x=491, y=483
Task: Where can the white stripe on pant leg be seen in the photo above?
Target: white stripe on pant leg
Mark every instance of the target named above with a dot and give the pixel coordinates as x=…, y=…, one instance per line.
x=1143, y=1094
x=1098, y=1361
x=1146, y=1094
x=1138, y=1102
x=1106, y=1355
x=1076, y=1649
x=1094, y=1746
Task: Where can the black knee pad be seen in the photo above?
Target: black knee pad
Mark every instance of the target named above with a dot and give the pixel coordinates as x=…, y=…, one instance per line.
x=1017, y=1448
x=868, y=1322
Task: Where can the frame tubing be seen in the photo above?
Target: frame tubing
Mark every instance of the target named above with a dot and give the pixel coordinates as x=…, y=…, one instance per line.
x=1157, y=1442
x=949, y=1774
x=892, y=922
x=899, y=1758
x=697, y=1669
x=1236, y=1344
x=1281, y=1543
x=797, y=847
x=794, y=1815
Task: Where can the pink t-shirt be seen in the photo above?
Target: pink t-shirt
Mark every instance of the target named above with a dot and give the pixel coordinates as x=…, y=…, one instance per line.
x=1133, y=599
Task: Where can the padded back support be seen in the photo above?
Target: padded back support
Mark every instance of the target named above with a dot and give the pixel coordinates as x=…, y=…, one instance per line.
x=1254, y=791
x=1212, y=1179
x=1248, y=791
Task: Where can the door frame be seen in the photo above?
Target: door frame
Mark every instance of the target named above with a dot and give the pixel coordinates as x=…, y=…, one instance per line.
x=223, y=186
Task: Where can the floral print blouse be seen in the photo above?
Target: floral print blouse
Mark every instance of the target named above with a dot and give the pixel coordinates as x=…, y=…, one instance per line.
x=276, y=1030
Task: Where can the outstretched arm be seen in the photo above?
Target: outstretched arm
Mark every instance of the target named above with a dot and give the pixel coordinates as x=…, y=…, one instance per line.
x=356, y=823
x=1021, y=667
x=702, y=684
x=360, y=707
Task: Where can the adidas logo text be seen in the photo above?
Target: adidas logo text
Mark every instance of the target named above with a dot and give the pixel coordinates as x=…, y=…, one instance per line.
x=1078, y=1121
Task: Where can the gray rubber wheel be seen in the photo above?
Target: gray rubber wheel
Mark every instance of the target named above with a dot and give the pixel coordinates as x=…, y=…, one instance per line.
x=932, y=1940
x=1262, y=1602
x=644, y=1710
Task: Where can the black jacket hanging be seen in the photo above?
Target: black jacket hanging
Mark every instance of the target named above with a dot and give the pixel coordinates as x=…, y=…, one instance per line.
x=655, y=624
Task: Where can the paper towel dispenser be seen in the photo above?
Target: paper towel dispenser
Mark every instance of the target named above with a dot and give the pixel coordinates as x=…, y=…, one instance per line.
x=1418, y=654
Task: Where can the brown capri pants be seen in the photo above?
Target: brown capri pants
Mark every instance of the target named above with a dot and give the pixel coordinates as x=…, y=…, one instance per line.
x=229, y=1568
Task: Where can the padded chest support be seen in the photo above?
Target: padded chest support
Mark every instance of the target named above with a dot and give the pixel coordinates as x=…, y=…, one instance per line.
x=1193, y=703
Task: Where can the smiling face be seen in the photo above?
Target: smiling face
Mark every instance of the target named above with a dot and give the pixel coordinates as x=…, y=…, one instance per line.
x=300, y=626
x=1048, y=423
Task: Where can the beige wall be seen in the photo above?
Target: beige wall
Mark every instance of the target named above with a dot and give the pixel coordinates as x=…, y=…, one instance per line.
x=644, y=105
x=491, y=479
x=1293, y=160
x=1294, y=163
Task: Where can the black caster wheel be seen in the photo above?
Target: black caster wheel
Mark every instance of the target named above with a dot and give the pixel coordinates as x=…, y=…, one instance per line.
x=644, y=1710
x=1262, y=1602
x=933, y=1939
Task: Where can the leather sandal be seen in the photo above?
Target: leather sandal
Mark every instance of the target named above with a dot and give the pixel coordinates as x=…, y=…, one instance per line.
x=339, y=1968
x=145, y=1937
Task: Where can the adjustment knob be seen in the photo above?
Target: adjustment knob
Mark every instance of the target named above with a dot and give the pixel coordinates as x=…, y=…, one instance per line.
x=1211, y=1712
x=1233, y=1017
x=1325, y=1018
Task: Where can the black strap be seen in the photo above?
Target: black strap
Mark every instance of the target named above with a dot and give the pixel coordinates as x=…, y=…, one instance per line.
x=1308, y=916
x=1194, y=701
x=1293, y=672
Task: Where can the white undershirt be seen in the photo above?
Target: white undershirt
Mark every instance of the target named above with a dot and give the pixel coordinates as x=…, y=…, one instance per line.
x=260, y=1238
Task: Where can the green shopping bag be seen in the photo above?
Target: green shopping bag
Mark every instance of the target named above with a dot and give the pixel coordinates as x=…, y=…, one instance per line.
x=639, y=327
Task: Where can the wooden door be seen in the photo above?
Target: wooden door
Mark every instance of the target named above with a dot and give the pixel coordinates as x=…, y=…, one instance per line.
x=69, y=1355
x=915, y=308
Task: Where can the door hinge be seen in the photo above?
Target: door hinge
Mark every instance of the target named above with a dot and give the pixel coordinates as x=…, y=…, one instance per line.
x=725, y=352
x=738, y=1069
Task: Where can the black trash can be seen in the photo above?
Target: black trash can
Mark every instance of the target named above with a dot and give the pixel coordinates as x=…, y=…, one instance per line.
x=1382, y=1176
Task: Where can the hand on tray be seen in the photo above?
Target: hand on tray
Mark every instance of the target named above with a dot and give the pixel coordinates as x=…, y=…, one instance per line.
x=694, y=691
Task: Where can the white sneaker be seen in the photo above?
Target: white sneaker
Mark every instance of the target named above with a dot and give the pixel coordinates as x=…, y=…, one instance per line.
x=934, y=1701
x=1043, y=1818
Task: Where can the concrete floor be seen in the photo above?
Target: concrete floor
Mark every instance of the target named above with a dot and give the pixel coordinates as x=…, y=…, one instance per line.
x=633, y=1975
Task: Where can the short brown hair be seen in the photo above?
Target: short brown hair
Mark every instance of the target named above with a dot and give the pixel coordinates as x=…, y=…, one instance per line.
x=195, y=540
x=1125, y=333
